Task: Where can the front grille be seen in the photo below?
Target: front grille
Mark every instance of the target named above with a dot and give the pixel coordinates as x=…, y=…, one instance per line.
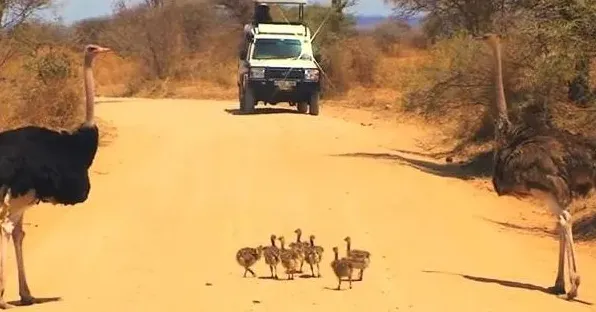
x=281, y=73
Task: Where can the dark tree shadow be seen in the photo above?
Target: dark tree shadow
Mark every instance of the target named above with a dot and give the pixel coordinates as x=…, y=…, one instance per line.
x=435, y=155
x=107, y=101
x=477, y=167
x=585, y=228
x=263, y=111
x=505, y=283
x=531, y=229
x=36, y=301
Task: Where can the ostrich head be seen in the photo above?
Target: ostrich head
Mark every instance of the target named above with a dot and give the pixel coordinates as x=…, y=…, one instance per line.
x=281, y=240
x=92, y=50
x=260, y=251
x=492, y=39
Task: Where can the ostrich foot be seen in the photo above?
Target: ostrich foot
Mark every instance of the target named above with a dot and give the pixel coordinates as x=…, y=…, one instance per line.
x=573, y=291
x=28, y=300
x=4, y=305
x=558, y=289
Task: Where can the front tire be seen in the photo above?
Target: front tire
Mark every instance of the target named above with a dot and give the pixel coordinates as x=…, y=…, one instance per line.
x=248, y=104
x=302, y=107
x=313, y=104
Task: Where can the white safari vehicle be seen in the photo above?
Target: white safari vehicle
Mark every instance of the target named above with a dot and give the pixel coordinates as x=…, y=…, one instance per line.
x=277, y=62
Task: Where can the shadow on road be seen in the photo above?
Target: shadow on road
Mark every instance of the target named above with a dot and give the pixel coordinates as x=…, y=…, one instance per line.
x=529, y=229
x=262, y=111
x=477, y=167
x=335, y=288
x=37, y=301
x=505, y=283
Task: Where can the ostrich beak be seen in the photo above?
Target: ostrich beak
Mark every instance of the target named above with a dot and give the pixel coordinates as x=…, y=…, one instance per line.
x=103, y=50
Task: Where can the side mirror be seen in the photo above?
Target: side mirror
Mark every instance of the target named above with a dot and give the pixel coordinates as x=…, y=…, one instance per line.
x=242, y=54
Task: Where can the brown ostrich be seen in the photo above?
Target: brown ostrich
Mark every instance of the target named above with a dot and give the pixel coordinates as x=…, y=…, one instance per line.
x=546, y=163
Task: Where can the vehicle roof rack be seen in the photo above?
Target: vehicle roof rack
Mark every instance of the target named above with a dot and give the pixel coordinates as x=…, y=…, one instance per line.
x=270, y=28
x=300, y=3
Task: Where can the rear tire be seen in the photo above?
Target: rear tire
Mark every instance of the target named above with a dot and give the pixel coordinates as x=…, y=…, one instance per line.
x=313, y=104
x=302, y=107
x=248, y=104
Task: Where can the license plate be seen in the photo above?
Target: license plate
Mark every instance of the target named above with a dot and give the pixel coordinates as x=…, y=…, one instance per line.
x=284, y=84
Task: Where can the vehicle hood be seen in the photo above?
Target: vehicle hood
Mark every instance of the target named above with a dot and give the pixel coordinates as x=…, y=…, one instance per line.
x=283, y=63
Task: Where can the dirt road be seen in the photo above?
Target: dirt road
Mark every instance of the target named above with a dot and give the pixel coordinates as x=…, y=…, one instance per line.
x=185, y=184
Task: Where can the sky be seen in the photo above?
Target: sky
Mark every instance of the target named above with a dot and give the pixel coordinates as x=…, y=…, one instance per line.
x=72, y=10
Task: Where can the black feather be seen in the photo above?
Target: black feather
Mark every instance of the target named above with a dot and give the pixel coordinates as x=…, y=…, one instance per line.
x=54, y=164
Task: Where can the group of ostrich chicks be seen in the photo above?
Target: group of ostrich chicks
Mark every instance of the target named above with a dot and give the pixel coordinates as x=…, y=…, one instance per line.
x=292, y=259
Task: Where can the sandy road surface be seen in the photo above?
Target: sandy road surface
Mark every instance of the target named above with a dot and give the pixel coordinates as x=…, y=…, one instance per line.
x=185, y=184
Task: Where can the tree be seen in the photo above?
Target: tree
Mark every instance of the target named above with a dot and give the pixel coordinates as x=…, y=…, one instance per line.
x=240, y=10
x=561, y=32
x=13, y=13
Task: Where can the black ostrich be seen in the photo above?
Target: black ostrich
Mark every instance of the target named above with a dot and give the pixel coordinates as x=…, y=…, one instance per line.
x=38, y=164
x=549, y=164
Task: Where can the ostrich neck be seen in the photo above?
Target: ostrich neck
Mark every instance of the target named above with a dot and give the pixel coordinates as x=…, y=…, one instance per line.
x=273, y=242
x=89, y=92
x=336, y=255
x=298, y=237
x=502, y=120
x=348, y=246
x=312, y=242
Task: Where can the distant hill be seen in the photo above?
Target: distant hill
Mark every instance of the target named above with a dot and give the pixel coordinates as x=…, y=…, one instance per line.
x=370, y=21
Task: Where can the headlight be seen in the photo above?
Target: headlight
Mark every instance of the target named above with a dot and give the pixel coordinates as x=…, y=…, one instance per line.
x=257, y=72
x=311, y=74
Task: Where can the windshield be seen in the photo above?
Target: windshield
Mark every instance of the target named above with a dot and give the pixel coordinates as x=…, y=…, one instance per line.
x=266, y=49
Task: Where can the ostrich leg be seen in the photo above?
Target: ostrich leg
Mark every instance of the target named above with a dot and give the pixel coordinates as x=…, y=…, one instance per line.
x=574, y=278
x=559, y=287
x=566, y=248
x=4, y=238
x=5, y=232
x=17, y=237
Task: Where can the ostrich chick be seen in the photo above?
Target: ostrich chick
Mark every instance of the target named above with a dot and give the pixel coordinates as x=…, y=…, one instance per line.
x=300, y=247
x=247, y=257
x=289, y=258
x=360, y=258
x=271, y=254
x=313, y=256
x=342, y=268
